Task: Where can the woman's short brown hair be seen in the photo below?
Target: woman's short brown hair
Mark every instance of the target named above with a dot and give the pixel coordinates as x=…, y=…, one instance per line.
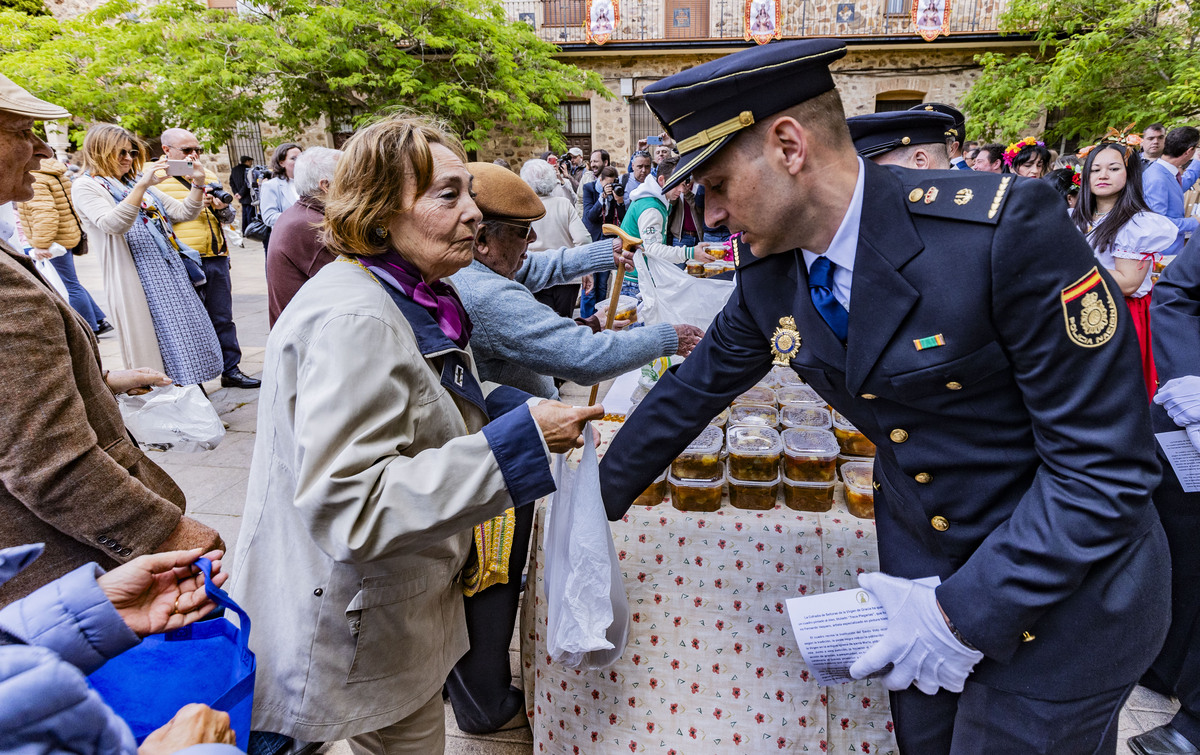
x=100, y=148
x=384, y=165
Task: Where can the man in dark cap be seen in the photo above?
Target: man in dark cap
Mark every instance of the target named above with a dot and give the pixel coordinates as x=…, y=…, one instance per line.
x=965, y=327
x=910, y=139
x=957, y=131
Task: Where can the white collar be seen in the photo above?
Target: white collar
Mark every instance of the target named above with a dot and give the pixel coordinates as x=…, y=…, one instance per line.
x=844, y=245
x=1168, y=166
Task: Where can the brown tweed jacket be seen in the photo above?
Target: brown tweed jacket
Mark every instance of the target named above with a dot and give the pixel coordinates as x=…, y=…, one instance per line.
x=70, y=476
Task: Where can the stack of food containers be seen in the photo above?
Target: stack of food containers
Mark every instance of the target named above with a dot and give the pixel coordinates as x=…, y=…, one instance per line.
x=697, y=476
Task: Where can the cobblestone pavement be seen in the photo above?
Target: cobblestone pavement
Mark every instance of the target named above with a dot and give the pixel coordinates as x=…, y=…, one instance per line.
x=215, y=482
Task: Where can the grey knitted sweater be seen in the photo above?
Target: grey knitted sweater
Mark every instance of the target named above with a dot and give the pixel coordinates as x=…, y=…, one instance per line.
x=521, y=342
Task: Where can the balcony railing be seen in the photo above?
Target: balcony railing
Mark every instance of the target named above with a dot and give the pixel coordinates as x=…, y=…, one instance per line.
x=645, y=21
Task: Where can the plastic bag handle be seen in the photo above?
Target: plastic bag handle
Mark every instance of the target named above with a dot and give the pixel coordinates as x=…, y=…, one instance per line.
x=222, y=599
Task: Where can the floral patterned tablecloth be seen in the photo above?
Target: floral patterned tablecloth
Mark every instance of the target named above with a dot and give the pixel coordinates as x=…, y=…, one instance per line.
x=711, y=665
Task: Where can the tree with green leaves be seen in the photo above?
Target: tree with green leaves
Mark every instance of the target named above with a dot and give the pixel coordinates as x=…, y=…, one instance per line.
x=292, y=62
x=1095, y=63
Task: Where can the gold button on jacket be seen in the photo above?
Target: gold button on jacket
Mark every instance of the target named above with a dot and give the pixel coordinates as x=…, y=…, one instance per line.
x=923, y=477
x=940, y=523
x=898, y=435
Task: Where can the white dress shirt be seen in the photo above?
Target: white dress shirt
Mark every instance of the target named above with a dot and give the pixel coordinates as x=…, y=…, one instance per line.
x=842, y=249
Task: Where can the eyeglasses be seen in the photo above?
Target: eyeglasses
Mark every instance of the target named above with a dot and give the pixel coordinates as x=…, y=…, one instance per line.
x=526, y=229
x=188, y=150
x=133, y=153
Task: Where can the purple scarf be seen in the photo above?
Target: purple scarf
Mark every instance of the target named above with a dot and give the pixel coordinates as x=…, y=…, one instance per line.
x=439, y=298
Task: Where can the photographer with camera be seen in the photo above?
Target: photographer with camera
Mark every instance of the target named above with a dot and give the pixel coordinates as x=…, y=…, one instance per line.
x=205, y=235
x=604, y=202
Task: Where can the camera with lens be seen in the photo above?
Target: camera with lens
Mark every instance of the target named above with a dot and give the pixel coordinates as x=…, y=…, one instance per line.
x=618, y=189
x=217, y=191
x=564, y=158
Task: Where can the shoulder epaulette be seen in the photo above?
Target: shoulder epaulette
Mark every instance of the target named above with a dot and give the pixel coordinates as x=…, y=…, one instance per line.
x=742, y=256
x=957, y=195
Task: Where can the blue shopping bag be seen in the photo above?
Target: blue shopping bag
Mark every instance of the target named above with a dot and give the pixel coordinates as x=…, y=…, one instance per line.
x=206, y=662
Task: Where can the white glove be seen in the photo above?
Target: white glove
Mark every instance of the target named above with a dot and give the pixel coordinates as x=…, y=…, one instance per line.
x=1181, y=398
x=918, y=644
x=1193, y=432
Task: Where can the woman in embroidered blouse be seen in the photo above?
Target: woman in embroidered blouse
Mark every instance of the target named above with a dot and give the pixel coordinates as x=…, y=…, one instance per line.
x=161, y=322
x=1124, y=234
x=378, y=452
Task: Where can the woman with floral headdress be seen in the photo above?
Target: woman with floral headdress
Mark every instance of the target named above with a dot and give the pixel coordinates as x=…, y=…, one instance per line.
x=1027, y=157
x=1124, y=234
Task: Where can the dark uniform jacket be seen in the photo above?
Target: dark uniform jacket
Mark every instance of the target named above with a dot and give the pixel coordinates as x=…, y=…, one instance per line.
x=1015, y=461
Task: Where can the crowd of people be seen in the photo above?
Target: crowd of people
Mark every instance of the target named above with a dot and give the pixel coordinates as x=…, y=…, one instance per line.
x=424, y=311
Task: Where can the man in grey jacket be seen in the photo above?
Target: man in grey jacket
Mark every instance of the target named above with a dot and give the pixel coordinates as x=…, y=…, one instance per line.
x=518, y=341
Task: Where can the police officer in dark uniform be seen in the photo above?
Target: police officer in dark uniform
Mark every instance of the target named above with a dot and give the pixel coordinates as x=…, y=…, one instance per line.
x=1175, y=312
x=962, y=323
x=908, y=138
x=957, y=132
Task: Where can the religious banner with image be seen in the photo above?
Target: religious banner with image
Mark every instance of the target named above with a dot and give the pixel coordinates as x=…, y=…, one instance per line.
x=931, y=18
x=602, y=19
x=764, y=21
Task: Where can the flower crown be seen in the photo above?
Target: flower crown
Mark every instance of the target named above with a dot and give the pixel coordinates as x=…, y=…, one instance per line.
x=1076, y=175
x=1015, y=148
x=1124, y=137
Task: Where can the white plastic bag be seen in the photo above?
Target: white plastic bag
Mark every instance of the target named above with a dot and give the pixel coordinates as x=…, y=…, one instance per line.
x=672, y=296
x=180, y=418
x=587, y=621
x=50, y=273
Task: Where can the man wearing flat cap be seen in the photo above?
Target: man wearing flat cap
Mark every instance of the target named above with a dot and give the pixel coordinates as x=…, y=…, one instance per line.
x=910, y=139
x=965, y=327
x=957, y=131
x=519, y=341
x=70, y=476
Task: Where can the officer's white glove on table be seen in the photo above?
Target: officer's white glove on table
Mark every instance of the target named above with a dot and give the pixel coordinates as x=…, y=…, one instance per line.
x=918, y=644
x=1181, y=398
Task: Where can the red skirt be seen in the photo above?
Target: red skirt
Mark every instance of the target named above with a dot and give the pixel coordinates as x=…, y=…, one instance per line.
x=1139, y=309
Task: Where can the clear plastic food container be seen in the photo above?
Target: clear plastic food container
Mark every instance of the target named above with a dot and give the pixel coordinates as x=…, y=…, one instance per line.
x=843, y=459
x=753, y=495
x=759, y=394
x=754, y=453
x=808, y=496
x=696, y=495
x=626, y=309
x=713, y=269
x=798, y=395
x=756, y=415
x=720, y=419
x=701, y=460
x=860, y=495
x=694, y=268
x=853, y=442
x=804, y=415
x=653, y=495
x=786, y=376
x=809, y=455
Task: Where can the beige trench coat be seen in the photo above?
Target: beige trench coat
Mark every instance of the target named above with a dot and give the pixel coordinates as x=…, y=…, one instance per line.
x=105, y=222
x=367, y=477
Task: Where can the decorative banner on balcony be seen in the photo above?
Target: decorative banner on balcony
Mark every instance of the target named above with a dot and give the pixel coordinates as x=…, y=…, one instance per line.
x=603, y=16
x=764, y=21
x=931, y=18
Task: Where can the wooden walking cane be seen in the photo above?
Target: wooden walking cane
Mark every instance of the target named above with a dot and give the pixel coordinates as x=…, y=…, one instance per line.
x=628, y=244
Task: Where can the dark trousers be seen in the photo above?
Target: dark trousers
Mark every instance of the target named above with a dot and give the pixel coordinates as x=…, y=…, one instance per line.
x=985, y=720
x=559, y=298
x=1176, y=671
x=479, y=684
x=217, y=295
x=81, y=301
x=247, y=214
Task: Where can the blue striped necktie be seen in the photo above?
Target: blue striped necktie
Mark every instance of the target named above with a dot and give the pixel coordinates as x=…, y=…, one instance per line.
x=820, y=288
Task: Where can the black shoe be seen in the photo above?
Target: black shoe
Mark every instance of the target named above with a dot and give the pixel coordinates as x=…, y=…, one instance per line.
x=1162, y=740
x=235, y=379
x=104, y=326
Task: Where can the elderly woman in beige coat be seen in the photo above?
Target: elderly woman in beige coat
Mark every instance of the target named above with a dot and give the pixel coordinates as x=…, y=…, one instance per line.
x=378, y=451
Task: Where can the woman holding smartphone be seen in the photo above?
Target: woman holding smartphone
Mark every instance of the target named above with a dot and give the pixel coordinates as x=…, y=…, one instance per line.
x=161, y=322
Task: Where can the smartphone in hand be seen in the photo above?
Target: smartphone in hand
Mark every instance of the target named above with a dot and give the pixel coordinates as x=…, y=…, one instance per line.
x=179, y=167
x=654, y=140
